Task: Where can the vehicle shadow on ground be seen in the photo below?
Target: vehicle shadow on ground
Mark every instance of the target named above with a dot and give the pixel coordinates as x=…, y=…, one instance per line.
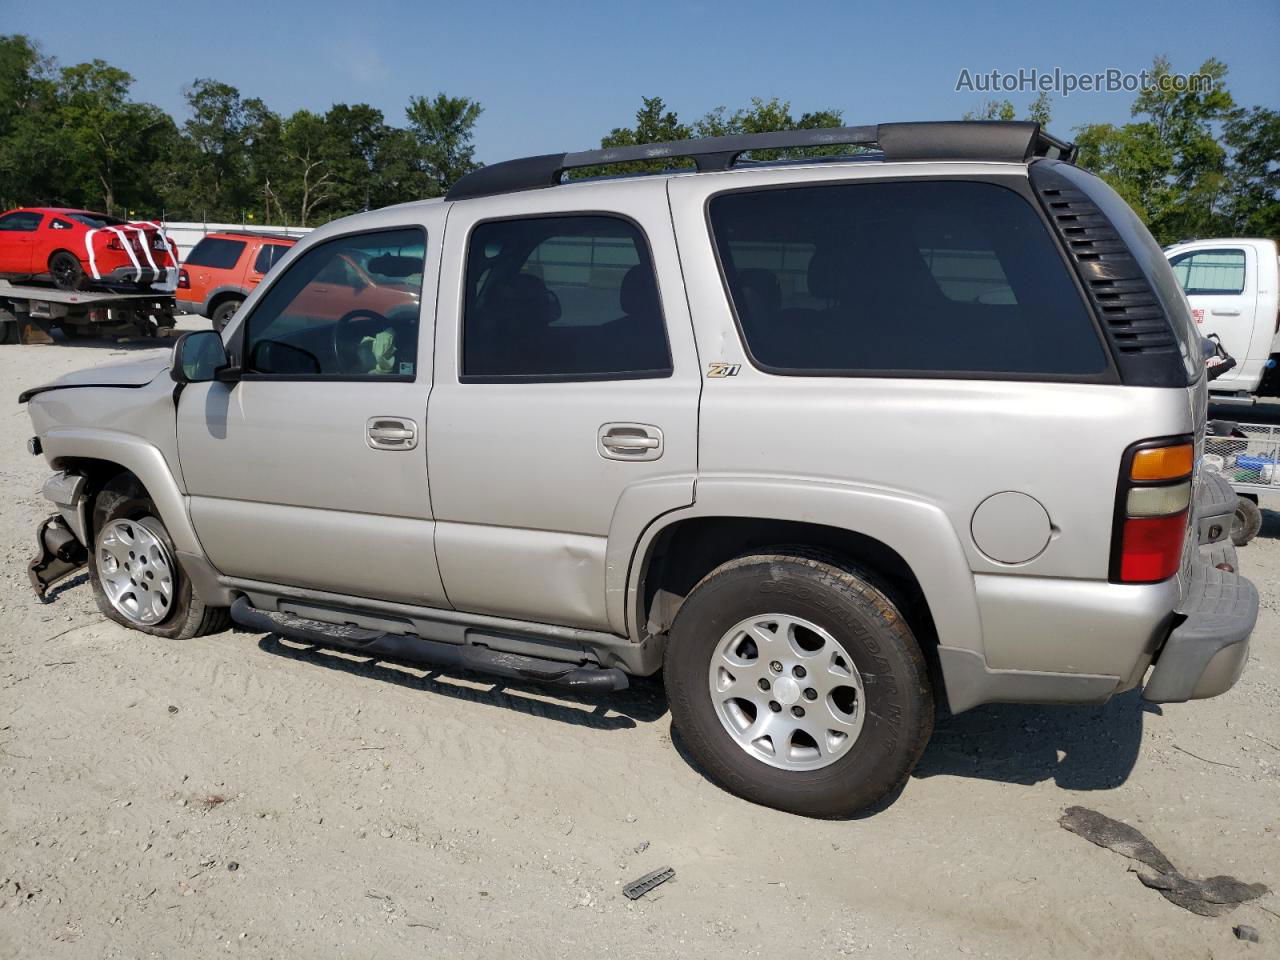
x=1077, y=747
x=642, y=702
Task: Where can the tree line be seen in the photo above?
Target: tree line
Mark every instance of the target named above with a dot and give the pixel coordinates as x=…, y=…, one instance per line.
x=1190, y=162
x=72, y=136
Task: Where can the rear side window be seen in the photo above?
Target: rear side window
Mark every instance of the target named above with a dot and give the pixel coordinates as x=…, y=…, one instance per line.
x=562, y=298
x=1210, y=272
x=268, y=255
x=216, y=252
x=927, y=277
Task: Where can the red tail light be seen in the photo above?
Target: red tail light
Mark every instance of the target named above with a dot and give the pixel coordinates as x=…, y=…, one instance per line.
x=1152, y=502
x=114, y=244
x=184, y=281
x=1151, y=547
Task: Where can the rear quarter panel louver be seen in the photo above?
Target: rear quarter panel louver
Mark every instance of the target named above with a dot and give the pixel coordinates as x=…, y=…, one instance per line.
x=1134, y=318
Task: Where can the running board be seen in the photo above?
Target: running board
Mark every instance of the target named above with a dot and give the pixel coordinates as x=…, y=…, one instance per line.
x=399, y=646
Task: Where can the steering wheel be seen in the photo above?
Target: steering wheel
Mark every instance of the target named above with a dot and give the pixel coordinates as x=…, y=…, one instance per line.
x=346, y=347
x=553, y=305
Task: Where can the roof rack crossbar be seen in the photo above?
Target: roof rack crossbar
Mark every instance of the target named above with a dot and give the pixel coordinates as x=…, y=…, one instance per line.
x=998, y=140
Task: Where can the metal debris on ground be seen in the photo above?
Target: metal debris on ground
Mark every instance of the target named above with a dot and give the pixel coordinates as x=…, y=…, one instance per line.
x=638, y=888
x=1209, y=898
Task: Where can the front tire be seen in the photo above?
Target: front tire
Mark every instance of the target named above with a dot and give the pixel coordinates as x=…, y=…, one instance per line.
x=796, y=683
x=133, y=568
x=65, y=269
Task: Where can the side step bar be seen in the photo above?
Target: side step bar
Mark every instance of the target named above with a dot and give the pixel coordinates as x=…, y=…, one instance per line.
x=433, y=653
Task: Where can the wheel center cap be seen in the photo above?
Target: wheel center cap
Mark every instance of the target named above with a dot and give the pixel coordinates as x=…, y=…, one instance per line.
x=786, y=691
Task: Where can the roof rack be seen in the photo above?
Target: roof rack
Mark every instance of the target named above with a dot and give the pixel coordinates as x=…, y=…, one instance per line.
x=259, y=233
x=1011, y=141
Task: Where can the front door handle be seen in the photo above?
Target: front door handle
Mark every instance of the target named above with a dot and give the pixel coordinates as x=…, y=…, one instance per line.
x=391, y=433
x=629, y=441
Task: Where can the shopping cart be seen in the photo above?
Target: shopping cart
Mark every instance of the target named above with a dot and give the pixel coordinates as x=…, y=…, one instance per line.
x=1248, y=455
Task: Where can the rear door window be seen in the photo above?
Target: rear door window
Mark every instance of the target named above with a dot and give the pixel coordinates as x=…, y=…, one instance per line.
x=268, y=255
x=1210, y=272
x=562, y=298
x=900, y=278
x=219, y=253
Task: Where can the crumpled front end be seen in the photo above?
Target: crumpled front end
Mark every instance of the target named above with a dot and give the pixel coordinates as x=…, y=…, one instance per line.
x=61, y=539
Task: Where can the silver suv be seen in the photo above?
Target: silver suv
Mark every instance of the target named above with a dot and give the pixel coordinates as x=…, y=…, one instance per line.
x=834, y=442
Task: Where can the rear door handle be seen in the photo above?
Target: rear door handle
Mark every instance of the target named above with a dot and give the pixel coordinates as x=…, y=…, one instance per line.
x=391, y=433
x=629, y=441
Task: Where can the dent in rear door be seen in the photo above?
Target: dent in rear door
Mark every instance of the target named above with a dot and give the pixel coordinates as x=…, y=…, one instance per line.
x=530, y=513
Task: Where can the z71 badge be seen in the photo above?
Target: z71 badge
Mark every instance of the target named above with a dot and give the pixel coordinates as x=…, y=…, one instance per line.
x=717, y=370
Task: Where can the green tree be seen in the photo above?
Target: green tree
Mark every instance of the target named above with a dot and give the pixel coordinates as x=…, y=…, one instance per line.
x=1040, y=110
x=769, y=116
x=654, y=124
x=1168, y=163
x=109, y=143
x=228, y=149
x=992, y=110
x=309, y=179
x=26, y=95
x=444, y=127
x=1253, y=176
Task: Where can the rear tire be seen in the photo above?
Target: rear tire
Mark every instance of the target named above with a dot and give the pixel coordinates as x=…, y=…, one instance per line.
x=1246, y=523
x=65, y=269
x=855, y=739
x=185, y=614
x=223, y=313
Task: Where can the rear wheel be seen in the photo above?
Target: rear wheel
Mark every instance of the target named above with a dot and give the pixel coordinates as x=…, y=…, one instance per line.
x=1247, y=521
x=223, y=313
x=796, y=683
x=134, y=570
x=66, y=271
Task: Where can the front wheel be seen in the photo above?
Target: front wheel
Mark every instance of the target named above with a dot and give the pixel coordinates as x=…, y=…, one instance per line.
x=134, y=569
x=796, y=683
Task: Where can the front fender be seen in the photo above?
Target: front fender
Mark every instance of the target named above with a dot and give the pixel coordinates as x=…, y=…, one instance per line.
x=918, y=530
x=64, y=445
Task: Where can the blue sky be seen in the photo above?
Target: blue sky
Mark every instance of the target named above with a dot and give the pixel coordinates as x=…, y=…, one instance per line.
x=556, y=76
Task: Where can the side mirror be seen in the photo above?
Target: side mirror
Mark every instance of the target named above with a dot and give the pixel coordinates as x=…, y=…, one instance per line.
x=199, y=357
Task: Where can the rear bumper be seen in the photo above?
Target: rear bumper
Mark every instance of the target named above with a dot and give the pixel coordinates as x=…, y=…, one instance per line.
x=141, y=276
x=1205, y=654
x=1207, y=649
x=1050, y=640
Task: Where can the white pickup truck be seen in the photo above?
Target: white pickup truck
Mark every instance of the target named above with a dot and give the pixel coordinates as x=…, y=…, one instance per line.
x=1233, y=286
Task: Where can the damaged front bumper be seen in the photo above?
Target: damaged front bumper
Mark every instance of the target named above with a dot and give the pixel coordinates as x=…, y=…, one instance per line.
x=58, y=555
x=60, y=539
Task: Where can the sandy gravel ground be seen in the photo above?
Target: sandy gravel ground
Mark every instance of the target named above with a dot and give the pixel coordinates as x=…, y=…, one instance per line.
x=239, y=796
